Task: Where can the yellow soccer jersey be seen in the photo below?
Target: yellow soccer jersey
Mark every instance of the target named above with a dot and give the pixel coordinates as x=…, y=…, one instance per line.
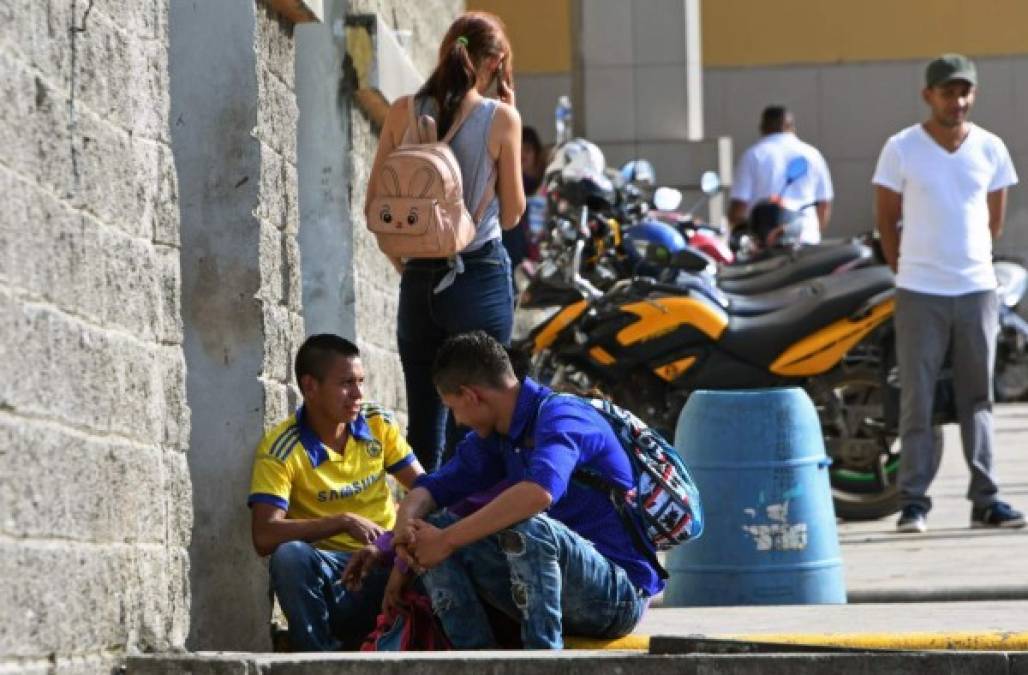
x=298, y=473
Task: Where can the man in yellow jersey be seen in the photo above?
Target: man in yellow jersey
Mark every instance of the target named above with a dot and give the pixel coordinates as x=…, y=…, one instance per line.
x=319, y=493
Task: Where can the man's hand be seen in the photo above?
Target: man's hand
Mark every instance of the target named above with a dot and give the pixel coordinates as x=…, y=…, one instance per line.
x=360, y=528
x=392, y=599
x=359, y=565
x=432, y=546
x=404, y=541
x=416, y=504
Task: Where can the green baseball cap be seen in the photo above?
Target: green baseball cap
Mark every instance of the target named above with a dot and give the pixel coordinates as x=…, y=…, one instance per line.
x=949, y=67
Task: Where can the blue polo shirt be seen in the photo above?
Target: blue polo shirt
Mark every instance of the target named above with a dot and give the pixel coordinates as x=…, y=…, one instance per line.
x=568, y=434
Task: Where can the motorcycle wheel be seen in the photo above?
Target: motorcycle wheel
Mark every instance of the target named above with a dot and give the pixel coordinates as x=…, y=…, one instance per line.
x=1010, y=380
x=865, y=454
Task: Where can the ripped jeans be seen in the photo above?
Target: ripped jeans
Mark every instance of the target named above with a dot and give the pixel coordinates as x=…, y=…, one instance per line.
x=537, y=572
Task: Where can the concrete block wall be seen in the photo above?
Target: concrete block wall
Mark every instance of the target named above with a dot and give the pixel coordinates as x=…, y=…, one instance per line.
x=323, y=132
x=376, y=284
x=95, y=504
x=277, y=213
x=234, y=140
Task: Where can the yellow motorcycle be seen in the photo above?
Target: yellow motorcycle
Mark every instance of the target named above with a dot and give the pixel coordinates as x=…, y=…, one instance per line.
x=647, y=344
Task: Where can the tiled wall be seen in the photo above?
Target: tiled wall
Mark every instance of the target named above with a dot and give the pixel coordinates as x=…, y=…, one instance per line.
x=849, y=110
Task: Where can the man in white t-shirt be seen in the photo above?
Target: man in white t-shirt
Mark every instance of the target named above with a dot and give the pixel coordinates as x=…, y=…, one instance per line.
x=947, y=180
x=761, y=175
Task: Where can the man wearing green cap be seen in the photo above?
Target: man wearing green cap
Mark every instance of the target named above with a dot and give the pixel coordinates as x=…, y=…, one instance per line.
x=947, y=179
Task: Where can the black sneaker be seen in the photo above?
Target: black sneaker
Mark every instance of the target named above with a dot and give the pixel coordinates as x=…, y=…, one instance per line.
x=996, y=514
x=912, y=519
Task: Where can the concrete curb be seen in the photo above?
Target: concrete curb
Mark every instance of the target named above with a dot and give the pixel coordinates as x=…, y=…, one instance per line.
x=632, y=643
x=965, y=594
x=992, y=641
x=950, y=641
x=580, y=663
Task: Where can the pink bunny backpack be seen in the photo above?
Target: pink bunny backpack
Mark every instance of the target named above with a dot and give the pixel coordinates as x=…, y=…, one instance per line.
x=417, y=209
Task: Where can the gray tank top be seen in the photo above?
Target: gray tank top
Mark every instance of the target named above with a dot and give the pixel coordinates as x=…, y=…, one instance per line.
x=470, y=145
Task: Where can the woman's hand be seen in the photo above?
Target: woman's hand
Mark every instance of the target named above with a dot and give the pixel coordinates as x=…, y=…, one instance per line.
x=505, y=93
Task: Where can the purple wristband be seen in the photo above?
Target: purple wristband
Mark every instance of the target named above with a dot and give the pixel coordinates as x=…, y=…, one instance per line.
x=384, y=543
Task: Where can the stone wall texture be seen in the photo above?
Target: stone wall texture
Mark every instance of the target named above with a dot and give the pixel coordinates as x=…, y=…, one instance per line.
x=277, y=214
x=376, y=283
x=95, y=505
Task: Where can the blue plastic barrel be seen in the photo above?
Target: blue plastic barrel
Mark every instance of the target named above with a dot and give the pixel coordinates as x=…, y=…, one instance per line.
x=759, y=461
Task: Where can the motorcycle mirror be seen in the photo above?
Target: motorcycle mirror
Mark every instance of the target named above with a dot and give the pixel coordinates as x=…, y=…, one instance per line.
x=709, y=183
x=667, y=199
x=796, y=169
x=639, y=171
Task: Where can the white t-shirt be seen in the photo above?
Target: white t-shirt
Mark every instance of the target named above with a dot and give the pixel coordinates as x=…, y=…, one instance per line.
x=761, y=174
x=946, y=245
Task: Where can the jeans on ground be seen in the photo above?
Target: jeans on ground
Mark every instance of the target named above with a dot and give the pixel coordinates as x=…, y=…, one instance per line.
x=322, y=614
x=926, y=326
x=479, y=299
x=537, y=572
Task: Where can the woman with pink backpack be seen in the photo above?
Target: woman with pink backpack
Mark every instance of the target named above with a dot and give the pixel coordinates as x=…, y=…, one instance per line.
x=439, y=208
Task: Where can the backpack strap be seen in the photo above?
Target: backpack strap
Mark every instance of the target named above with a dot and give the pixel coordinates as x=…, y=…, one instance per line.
x=413, y=130
x=615, y=493
x=414, y=134
x=464, y=112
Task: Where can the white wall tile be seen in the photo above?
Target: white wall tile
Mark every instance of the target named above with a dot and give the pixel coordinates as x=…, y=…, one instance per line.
x=852, y=206
x=609, y=103
x=606, y=33
x=1018, y=140
x=679, y=163
x=537, y=97
x=747, y=92
x=658, y=31
x=863, y=104
x=660, y=111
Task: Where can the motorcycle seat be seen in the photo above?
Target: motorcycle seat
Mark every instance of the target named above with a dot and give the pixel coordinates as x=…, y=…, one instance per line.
x=761, y=339
x=772, y=301
x=819, y=262
x=773, y=259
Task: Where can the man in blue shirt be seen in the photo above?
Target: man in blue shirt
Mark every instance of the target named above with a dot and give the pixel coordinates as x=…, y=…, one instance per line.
x=546, y=550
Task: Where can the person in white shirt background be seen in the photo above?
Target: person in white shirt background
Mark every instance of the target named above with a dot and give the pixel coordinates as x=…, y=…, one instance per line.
x=946, y=179
x=761, y=174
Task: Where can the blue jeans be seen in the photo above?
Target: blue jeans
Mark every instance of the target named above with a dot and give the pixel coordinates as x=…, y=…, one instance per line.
x=323, y=615
x=537, y=572
x=480, y=298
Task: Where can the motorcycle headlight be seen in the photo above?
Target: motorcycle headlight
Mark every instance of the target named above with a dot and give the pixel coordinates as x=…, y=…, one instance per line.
x=1012, y=280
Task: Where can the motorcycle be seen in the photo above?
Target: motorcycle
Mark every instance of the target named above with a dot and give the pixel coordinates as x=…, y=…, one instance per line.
x=705, y=237
x=649, y=344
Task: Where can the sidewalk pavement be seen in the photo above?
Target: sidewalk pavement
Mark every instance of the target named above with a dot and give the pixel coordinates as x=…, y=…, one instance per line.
x=950, y=578
x=910, y=576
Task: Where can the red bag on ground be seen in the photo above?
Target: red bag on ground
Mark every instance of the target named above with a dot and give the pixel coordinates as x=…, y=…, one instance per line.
x=412, y=629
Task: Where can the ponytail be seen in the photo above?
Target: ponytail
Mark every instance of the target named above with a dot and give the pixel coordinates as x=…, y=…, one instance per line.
x=473, y=37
